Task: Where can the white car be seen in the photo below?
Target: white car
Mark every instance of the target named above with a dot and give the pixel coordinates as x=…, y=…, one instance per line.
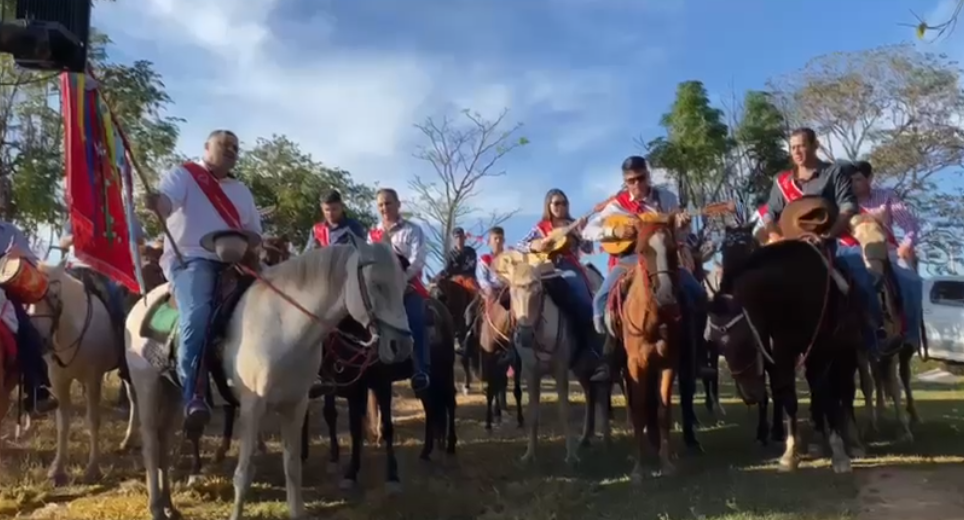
x=944, y=318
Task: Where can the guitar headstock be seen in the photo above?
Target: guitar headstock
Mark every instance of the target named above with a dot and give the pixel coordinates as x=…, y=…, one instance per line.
x=719, y=208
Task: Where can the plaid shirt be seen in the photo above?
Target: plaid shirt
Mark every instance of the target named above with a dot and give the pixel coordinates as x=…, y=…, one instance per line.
x=885, y=205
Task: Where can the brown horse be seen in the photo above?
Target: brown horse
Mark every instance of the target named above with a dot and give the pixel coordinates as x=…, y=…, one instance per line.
x=497, y=354
x=458, y=293
x=650, y=321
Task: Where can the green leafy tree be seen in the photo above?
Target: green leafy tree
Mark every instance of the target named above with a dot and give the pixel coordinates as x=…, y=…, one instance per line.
x=902, y=109
x=694, y=149
x=281, y=175
x=463, y=153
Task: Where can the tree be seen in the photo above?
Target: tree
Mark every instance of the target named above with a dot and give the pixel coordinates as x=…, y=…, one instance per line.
x=695, y=147
x=759, y=133
x=463, y=154
x=902, y=109
x=279, y=174
x=944, y=27
x=31, y=131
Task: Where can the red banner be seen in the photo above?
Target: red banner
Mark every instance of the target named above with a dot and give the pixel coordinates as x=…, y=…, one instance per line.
x=98, y=182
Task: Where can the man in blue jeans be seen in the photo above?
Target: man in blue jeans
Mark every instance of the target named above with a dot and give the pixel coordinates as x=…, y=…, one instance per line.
x=639, y=197
x=197, y=199
x=408, y=241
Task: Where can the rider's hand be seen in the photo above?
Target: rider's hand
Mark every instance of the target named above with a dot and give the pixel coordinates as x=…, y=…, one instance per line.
x=580, y=224
x=624, y=232
x=151, y=200
x=906, y=252
x=774, y=237
x=538, y=246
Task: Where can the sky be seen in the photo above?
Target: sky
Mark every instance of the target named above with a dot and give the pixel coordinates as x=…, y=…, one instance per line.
x=348, y=79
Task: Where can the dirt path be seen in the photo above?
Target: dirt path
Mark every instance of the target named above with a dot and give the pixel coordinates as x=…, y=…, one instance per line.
x=904, y=494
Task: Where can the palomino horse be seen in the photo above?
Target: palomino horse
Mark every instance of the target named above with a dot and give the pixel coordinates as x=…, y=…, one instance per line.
x=83, y=347
x=728, y=329
x=458, y=293
x=271, y=350
x=809, y=317
x=497, y=354
x=872, y=237
x=544, y=344
x=651, y=333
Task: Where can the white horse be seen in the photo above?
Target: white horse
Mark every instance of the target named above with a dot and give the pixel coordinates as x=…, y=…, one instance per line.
x=271, y=352
x=82, y=347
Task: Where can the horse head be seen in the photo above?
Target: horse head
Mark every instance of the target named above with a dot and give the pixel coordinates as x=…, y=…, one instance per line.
x=658, y=256
x=739, y=242
x=524, y=274
x=872, y=236
x=730, y=332
x=63, y=292
x=275, y=250
x=374, y=297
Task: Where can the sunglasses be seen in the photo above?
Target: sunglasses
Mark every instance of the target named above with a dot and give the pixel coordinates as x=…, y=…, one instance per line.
x=635, y=180
x=558, y=203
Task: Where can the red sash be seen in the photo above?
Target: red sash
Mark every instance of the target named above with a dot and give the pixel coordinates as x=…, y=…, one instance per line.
x=762, y=212
x=486, y=259
x=321, y=234
x=791, y=193
x=415, y=282
x=545, y=227
x=212, y=190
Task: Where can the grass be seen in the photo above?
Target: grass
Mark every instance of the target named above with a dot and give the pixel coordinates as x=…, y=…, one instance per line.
x=734, y=479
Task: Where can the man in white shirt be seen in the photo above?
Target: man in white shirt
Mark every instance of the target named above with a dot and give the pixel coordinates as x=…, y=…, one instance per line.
x=408, y=240
x=197, y=199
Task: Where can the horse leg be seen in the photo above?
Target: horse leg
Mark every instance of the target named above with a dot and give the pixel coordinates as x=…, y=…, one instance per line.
x=450, y=405
x=372, y=419
x=490, y=367
x=636, y=408
x=227, y=433
x=589, y=416
x=132, y=417
x=893, y=388
x=762, y=426
x=429, y=406
x=467, y=370
x=687, y=391
x=831, y=394
x=293, y=421
x=905, y=356
x=93, y=395
x=867, y=389
x=384, y=396
x=517, y=394
x=60, y=386
x=786, y=395
x=150, y=394
x=532, y=384
x=169, y=423
x=356, y=416
x=253, y=409
x=330, y=412
x=778, y=432
x=305, y=444
x=562, y=394
x=665, y=418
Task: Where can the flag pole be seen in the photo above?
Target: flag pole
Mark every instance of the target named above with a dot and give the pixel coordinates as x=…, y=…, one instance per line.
x=135, y=165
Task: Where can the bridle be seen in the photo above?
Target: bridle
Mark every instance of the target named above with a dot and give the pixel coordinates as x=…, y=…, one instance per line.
x=56, y=306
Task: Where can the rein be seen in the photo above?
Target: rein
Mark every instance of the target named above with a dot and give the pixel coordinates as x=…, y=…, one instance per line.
x=617, y=300
x=55, y=316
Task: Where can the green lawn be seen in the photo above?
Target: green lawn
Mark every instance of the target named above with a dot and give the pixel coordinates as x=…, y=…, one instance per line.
x=733, y=479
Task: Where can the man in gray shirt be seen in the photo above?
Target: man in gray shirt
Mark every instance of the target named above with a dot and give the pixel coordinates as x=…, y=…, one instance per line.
x=832, y=182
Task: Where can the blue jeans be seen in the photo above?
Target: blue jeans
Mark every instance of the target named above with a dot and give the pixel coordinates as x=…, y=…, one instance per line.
x=692, y=291
x=30, y=351
x=911, y=288
x=578, y=288
x=415, y=309
x=193, y=285
x=851, y=258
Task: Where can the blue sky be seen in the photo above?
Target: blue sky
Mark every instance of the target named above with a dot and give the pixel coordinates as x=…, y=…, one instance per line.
x=347, y=79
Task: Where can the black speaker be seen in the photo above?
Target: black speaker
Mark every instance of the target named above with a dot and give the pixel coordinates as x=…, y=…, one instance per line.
x=51, y=34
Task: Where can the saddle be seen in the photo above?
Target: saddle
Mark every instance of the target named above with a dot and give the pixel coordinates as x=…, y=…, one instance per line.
x=162, y=318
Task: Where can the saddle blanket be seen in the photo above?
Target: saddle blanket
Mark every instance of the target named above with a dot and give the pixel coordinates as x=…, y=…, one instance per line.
x=160, y=325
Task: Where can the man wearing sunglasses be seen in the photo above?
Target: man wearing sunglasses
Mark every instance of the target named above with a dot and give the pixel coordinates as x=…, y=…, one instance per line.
x=639, y=197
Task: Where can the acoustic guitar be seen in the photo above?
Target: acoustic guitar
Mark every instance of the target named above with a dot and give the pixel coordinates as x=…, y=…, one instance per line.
x=619, y=247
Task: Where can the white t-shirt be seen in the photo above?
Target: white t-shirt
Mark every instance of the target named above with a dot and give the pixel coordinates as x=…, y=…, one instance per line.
x=193, y=215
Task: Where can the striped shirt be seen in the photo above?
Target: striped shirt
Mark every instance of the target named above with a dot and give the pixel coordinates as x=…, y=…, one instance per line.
x=885, y=205
x=489, y=281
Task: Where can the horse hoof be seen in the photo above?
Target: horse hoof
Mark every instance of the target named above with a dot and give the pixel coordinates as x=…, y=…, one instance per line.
x=194, y=480
x=907, y=437
x=262, y=448
x=528, y=458
x=332, y=468
x=668, y=470
x=787, y=465
x=346, y=484
x=59, y=479
x=858, y=453
x=572, y=459
x=393, y=487
x=465, y=390
x=842, y=466
x=636, y=477
x=695, y=448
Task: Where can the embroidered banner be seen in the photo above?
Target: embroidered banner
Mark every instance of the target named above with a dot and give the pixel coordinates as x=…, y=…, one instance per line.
x=99, y=184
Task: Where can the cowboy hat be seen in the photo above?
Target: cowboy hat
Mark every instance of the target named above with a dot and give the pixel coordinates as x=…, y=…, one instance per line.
x=210, y=240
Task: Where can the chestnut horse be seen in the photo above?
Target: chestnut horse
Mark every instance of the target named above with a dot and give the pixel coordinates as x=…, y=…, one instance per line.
x=497, y=354
x=651, y=333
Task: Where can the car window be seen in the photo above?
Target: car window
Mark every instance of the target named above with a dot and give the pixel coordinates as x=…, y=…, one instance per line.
x=948, y=292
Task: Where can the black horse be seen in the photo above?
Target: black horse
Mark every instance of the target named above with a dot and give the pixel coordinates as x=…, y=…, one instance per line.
x=355, y=376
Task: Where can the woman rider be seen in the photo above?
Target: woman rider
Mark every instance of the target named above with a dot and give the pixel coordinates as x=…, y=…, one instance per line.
x=578, y=300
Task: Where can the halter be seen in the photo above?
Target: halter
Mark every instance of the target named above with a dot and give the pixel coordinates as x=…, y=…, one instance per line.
x=57, y=310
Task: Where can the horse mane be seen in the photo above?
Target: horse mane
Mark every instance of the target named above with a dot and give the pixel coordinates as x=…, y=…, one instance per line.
x=773, y=254
x=301, y=270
